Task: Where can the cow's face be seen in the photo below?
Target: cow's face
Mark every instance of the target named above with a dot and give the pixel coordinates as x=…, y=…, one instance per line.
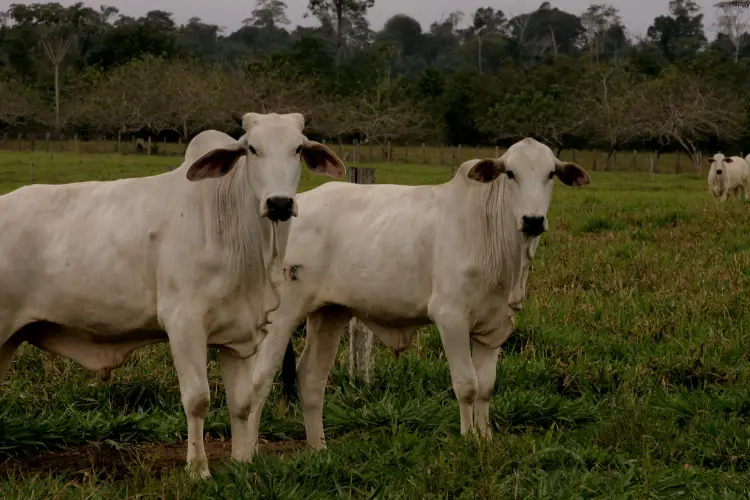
x=272, y=147
x=530, y=168
x=718, y=165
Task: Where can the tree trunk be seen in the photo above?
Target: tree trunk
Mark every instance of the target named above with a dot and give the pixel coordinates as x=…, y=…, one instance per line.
x=479, y=40
x=57, y=97
x=339, y=33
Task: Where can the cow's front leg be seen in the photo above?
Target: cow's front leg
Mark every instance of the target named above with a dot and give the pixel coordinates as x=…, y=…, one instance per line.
x=454, y=334
x=188, y=343
x=237, y=374
x=485, y=364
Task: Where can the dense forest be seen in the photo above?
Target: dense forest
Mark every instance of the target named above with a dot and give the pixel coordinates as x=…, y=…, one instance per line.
x=570, y=79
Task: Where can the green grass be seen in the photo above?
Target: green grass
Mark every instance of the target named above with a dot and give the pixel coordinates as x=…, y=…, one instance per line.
x=627, y=376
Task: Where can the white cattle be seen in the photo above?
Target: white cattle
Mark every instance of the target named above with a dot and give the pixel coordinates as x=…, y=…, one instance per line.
x=398, y=257
x=728, y=174
x=93, y=270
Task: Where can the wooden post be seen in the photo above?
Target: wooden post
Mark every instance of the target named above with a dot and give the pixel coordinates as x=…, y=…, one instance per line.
x=46, y=142
x=614, y=160
x=458, y=154
x=149, y=146
x=62, y=143
x=75, y=143
x=361, y=338
x=341, y=148
x=453, y=165
x=497, y=151
x=389, y=152
x=33, y=142
x=594, y=161
x=678, y=162
x=574, y=156
x=369, y=145
x=356, y=151
x=20, y=137
x=441, y=155
x=424, y=158
x=5, y=139
x=406, y=152
x=476, y=152
x=119, y=143
x=635, y=160
x=31, y=172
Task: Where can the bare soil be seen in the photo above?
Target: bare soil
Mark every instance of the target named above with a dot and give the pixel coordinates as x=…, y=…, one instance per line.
x=151, y=459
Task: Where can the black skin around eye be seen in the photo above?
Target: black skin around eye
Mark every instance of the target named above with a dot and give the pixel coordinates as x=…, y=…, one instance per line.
x=252, y=150
x=510, y=174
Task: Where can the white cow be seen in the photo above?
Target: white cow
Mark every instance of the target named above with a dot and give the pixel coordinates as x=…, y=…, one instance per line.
x=93, y=270
x=728, y=174
x=398, y=257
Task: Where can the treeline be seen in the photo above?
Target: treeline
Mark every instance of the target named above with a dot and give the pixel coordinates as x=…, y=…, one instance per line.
x=569, y=79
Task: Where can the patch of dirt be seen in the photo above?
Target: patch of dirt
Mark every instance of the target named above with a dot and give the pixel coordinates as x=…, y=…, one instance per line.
x=148, y=459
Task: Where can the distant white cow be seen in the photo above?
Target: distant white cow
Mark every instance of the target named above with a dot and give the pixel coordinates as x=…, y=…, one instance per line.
x=728, y=175
x=93, y=270
x=398, y=257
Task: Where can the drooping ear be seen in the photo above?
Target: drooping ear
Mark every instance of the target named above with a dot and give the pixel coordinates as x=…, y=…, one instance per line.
x=249, y=120
x=728, y=160
x=299, y=119
x=571, y=174
x=321, y=160
x=487, y=170
x=216, y=163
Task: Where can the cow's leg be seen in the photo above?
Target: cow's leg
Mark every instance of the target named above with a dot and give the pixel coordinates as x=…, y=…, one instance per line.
x=188, y=343
x=237, y=374
x=454, y=333
x=267, y=361
x=324, y=328
x=485, y=364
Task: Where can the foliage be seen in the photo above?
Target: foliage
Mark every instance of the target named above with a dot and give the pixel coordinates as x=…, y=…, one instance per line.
x=486, y=76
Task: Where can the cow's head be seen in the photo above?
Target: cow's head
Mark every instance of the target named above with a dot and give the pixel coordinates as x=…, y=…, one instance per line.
x=272, y=146
x=718, y=165
x=529, y=168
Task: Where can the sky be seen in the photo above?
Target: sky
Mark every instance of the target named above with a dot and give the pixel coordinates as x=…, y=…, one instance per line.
x=637, y=15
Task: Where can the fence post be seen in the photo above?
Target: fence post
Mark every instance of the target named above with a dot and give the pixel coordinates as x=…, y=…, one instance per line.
x=441, y=155
x=453, y=165
x=361, y=338
x=341, y=148
x=678, y=161
x=5, y=139
x=46, y=142
x=119, y=143
x=33, y=142
x=62, y=142
x=497, y=151
x=20, y=137
x=149, y=145
x=614, y=160
x=356, y=151
x=424, y=158
x=369, y=146
x=389, y=152
x=406, y=152
x=31, y=172
x=458, y=154
x=635, y=160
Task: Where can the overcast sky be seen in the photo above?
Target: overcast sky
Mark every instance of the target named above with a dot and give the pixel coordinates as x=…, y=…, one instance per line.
x=637, y=15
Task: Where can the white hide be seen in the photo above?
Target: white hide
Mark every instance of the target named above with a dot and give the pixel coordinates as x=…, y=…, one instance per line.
x=94, y=270
x=728, y=175
x=399, y=257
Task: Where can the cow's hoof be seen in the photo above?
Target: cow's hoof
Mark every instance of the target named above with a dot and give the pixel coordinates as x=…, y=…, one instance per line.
x=198, y=471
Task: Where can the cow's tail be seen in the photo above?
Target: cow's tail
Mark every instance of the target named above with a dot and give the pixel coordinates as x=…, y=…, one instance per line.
x=288, y=377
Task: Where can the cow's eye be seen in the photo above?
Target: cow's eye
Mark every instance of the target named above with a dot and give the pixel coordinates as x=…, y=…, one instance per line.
x=252, y=150
x=552, y=174
x=510, y=174
x=299, y=149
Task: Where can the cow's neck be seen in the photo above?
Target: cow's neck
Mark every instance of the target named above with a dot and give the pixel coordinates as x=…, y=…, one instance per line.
x=501, y=245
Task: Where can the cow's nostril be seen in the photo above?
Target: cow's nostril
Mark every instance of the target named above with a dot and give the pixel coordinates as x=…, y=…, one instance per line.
x=533, y=225
x=279, y=208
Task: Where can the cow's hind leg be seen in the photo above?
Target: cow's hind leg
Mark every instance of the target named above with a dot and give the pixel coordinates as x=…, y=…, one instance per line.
x=267, y=361
x=188, y=343
x=237, y=374
x=324, y=328
x=454, y=334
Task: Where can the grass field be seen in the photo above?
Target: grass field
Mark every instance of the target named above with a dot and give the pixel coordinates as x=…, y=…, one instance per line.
x=627, y=376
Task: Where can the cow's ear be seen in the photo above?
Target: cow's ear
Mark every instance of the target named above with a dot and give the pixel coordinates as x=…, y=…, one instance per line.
x=571, y=174
x=486, y=170
x=216, y=163
x=321, y=160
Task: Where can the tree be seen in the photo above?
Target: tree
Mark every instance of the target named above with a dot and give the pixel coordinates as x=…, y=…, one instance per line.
x=685, y=109
x=679, y=35
x=19, y=104
x=615, y=106
x=602, y=24
x=268, y=15
x=732, y=20
x=486, y=21
x=343, y=11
